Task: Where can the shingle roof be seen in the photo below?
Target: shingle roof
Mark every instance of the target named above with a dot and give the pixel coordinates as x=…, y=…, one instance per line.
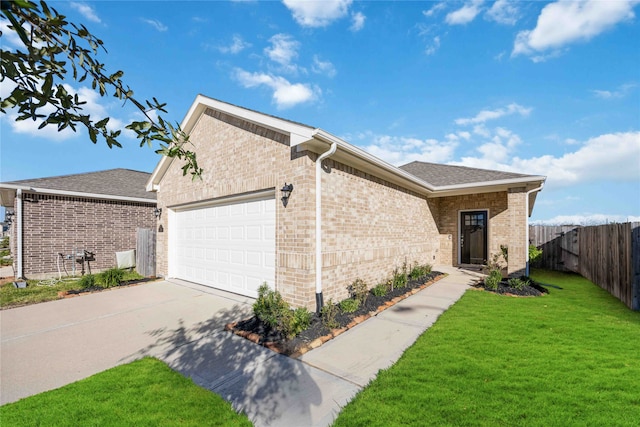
x=444, y=175
x=113, y=182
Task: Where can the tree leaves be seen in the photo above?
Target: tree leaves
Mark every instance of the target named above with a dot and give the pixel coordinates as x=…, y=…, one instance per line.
x=51, y=49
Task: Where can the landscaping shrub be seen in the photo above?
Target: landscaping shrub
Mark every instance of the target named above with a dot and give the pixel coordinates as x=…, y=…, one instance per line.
x=399, y=279
x=534, y=253
x=359, y=291
x=517, y=283
x=419, y=270
x=87, y=281
x=349, y=305
x=493, y=280
x=112, y=277
x=380, y=290
x=273, y=310
x=329, y=313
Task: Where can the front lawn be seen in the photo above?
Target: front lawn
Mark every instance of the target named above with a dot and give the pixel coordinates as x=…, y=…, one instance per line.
x=46, y=290
x=143, y=393
x=571, y=357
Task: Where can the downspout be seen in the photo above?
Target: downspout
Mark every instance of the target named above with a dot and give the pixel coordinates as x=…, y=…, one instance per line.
x=332, y=150
x=19, y=233
x=526, y=212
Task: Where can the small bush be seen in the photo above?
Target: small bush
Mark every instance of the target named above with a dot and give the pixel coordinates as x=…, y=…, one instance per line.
x=399, y=279
x=493, y=280
x=349, y=305
x=380, y=290
x=87, y=281
x=112, y=277
x=329, y=313
x=420, y=270
x=301, y=320
x=534, y=253
x=269, y=306
x=359, y=291
x=517, y=283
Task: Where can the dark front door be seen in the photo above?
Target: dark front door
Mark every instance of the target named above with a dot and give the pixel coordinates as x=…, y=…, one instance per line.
x=473, y=237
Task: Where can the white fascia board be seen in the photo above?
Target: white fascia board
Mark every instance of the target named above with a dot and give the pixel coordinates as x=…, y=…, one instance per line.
x=297, y=133
x=52, y=192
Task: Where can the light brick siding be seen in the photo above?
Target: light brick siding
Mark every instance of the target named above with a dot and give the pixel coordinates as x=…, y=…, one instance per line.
x=369, y=227
x=57, y=224
x=506, y=224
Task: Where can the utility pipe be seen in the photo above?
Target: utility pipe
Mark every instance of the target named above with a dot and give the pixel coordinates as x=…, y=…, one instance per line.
x=330, y=152
x=526, y=212
x=19, y=232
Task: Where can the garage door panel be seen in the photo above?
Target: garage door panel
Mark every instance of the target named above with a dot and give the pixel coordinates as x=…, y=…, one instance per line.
x=230, y=247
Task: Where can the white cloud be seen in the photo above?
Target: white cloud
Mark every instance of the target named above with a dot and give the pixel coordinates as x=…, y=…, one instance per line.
x=316, y=14
x=357, y=22
x=586, y=219
x=433, y=47
x=283, y=50
x=86, y=11
x=621, y=92
x=486, y=115
x=323, y=67
x=565, y=22
x=285, y=93
x=503, y=12
x=465, y=14
x=155, y=24
x=400, y=150
x=435, y=9
x=612, y=157
x=237, y=45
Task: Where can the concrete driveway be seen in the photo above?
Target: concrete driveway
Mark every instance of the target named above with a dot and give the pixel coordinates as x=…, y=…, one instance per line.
x=49, y=345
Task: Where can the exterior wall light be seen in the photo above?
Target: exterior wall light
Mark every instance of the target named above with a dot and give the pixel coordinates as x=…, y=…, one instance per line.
x=286, y=192
x=157, y=212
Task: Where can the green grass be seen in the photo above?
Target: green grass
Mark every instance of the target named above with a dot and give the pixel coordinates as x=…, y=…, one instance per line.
x=570, y=358
x=143, y=393
x=36, y=291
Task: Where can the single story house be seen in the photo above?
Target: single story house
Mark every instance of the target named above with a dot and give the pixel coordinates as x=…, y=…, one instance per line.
x=308, y=213
x=97, y=212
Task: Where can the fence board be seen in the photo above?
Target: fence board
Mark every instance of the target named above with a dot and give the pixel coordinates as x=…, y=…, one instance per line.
x=608, y=255
x=146, y=252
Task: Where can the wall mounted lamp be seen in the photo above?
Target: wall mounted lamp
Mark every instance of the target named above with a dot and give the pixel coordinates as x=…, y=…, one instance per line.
x=157, y=212
x=286, y=192
x=8, y=217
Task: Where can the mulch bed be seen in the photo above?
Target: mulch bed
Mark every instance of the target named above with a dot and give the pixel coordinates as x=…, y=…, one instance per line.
x=534, y=289
x=317, y=334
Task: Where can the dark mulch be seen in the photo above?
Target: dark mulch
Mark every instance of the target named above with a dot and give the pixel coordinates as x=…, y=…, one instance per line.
x=533, y=289
x=275, y=341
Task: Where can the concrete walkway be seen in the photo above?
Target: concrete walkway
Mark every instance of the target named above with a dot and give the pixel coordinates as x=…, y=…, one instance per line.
x=49, y=345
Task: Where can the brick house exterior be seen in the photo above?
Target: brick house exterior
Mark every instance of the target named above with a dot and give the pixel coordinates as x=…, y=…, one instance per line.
x=374, y=216
x=98, y=212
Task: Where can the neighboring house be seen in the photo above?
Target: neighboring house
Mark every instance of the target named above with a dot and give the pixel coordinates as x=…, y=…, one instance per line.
x=231, y=230
x=97, y=211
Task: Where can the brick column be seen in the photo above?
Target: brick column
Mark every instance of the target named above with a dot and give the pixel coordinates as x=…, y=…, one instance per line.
x=517, y=231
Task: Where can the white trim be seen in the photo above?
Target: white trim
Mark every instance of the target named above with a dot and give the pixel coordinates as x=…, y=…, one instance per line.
x=76, y=194
x=19, y=232
x=225, y=200
x=487, y=241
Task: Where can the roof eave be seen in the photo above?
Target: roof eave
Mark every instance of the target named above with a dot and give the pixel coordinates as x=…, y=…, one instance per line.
x=8, y=194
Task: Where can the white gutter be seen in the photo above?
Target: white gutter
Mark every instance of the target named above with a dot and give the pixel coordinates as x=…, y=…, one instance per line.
x=526, y=212
x=19, y=233
x=332, y=150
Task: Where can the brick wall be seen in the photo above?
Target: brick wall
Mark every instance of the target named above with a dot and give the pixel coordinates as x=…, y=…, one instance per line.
x=507, y=224
x=57, y=224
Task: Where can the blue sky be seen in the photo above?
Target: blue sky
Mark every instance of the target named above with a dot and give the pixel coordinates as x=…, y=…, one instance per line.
x=544, y=88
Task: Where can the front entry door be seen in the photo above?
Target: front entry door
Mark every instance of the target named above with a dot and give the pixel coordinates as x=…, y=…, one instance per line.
x=473, y=237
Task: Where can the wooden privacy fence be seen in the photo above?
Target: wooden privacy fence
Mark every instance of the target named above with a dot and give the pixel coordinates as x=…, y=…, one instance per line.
x=146, y=252
x=608, y=255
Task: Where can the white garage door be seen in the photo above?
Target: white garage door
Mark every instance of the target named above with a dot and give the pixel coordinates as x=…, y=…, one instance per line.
x=229, y=246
